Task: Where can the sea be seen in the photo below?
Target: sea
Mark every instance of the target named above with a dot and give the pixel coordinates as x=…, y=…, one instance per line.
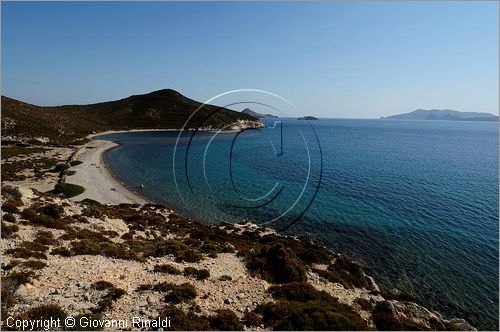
x=416, y=202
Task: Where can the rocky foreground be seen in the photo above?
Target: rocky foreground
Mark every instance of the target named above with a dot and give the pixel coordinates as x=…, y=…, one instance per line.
x=102, y=262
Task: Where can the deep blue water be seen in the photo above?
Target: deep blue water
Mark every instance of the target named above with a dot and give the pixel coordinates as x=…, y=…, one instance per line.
x=416, y=201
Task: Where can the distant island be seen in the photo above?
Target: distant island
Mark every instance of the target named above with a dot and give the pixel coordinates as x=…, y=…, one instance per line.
x=308, y=117
x=443, y=114
x=258, y=115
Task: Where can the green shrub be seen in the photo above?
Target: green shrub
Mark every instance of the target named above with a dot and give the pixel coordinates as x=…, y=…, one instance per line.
x=342, y=263
x=34, y=246
x=115, y=250
x=144, y=287
x=12, y=193
x=45, y=238
x=181, y=293
x=346, y=272
x=69, y=189
x=42, y=220
x=185, y=322
x=93, y=211
x=10, y=206
x=127, y=236
x=76, y=162
x=200, y=274
x=8, y=231
x=316, y=316
x=16, y=279
x=176, y=248
x=167, y=268
x=20, y=252
x=299, y=291
x=102, y=285
x=60, y=167
x=251, y=319
x=226, y=320
x=28, y=214
x=8, y=301
x=13, y=263
x=277, y=263
x=52, y=210
x=300, y=306
x=189, y=255
x=28, y=250
x=45, y=312
x=84, y=234
x=85, y=247
x=112, y=250
x=112, y=294
x=61, y=251
x=310, y=253
x=34, y=264
x=9, y=217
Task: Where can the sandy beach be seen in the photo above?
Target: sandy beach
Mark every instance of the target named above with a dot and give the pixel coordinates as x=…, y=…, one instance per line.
x=97, y=179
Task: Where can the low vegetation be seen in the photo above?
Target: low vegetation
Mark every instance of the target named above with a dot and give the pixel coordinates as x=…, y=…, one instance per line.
x=167, y=268
x=175, y=293
x=276, y=263
x=8, y=231
x=68, y=189
x=346, y=272
x=111, y=294
x=13, y=170
x=8, y=301
x=15, y=279
x=181, y=293
x=199, y=274
x=39, y=218
x=182, y=321
x=9, y=217
x=44, y=312
x=225, y=320
x=10, y=206
x=60, y=167
x=34, y=264
x=28, y=249
x=20, y=151
x=300, y=306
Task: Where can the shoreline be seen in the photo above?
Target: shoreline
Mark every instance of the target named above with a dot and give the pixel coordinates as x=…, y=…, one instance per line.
x=221, y=131
x=97, y=178
x=97, y=149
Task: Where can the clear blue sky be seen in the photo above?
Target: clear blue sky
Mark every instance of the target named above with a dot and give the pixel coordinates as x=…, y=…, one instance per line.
x=336, y=59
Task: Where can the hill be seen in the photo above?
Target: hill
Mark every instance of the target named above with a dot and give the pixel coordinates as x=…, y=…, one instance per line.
x=444, y=114
x=163, y=109
x=257, y=114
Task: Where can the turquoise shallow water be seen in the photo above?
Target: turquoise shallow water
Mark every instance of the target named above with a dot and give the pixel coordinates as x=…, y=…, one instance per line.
x=416, y=201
